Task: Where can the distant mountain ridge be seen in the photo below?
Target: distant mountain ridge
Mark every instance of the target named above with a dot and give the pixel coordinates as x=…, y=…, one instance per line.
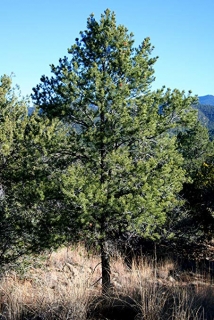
x=207, y=100
x=206, y=112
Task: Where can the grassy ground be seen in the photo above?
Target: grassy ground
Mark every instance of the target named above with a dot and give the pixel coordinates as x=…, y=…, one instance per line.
x=67, y=285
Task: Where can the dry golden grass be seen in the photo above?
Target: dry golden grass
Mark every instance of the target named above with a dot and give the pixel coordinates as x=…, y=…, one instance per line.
x=62, y=287
x=68, y=286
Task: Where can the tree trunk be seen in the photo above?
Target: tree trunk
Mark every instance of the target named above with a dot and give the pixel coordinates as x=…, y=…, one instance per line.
x=106, y=270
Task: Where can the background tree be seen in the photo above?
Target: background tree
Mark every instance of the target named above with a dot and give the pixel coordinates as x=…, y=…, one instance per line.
x=127, y=171
x=33, y=151
x=198, y=151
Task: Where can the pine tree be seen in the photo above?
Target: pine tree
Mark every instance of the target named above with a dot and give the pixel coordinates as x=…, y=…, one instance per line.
x=198, y=150
x=127, y=170
x=30, y=147
x=195, y=146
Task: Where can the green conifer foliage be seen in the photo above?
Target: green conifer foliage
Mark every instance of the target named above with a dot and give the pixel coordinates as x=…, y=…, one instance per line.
x=27, y=176
x=127, y=170
x=198, y=150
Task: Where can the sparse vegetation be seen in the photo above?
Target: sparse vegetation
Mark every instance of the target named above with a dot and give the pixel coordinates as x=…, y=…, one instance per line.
x=68, y=286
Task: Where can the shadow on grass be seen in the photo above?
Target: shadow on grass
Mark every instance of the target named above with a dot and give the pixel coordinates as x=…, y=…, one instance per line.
x=156, y=302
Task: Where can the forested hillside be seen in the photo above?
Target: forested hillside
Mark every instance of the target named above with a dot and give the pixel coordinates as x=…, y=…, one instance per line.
x=207, y=100
x=205, y=109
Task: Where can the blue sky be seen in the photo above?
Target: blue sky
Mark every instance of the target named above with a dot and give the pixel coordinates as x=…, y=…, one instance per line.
x=36, y=33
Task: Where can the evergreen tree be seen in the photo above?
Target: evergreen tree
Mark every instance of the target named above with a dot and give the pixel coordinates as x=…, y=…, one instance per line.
x=195, y=146
x=30, y=147
x=127, y=170
x=197, y=150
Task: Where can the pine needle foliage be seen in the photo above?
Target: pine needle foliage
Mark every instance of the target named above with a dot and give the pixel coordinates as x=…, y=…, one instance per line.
x=29, y=147
x=127, y=171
